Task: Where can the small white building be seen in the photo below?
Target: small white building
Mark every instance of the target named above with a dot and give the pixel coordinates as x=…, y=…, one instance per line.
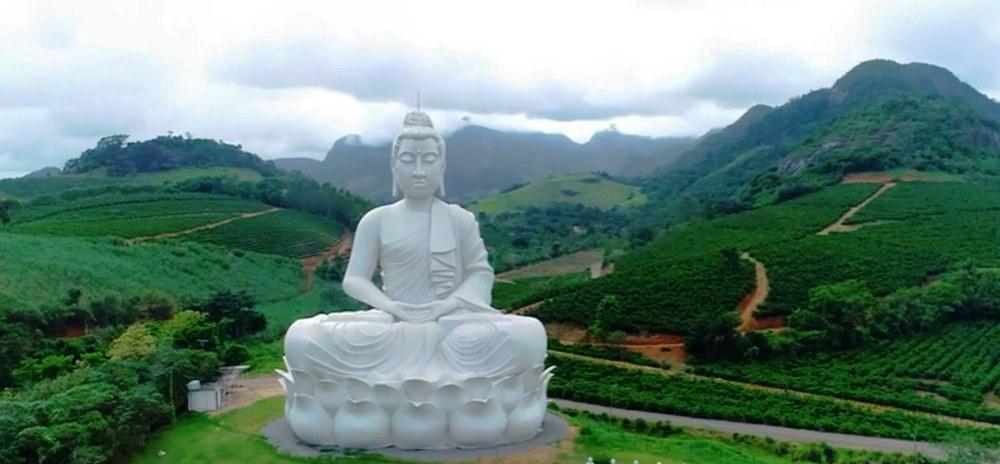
x=207, y=397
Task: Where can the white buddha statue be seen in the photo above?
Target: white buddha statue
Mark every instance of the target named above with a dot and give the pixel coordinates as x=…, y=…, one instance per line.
x=432, y=364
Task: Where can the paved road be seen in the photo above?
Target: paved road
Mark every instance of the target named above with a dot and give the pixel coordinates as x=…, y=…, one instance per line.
x=837, y=440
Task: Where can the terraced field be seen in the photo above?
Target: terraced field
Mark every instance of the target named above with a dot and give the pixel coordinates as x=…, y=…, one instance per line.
x=129, y=216
x=952, y=371
x=286, y=232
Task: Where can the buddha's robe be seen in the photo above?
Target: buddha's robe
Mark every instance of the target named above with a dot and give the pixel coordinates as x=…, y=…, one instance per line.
x=446, y=257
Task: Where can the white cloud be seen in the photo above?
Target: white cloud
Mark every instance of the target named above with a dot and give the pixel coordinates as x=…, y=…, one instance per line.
x=288, y=79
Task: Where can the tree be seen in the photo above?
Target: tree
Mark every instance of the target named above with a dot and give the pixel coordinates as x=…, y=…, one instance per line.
x=191, y=329
x=841, y=311
x=135, y=342
x=608, y=315
x=234, y=313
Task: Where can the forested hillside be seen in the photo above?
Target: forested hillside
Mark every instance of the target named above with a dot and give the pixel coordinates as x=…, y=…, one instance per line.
x=780, y=144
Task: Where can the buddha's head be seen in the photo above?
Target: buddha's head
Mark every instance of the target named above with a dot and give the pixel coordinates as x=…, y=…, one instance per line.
x=418, y=159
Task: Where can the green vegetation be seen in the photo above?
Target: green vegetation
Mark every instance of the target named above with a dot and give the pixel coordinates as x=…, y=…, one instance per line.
x=163, y=153
x=96, y=398
x=48, y=267
x=533, y=234
x=945, y=372
x=635, y=389
x=287, y=233
x=586, y=189
x=129, y=216
x=525, y=291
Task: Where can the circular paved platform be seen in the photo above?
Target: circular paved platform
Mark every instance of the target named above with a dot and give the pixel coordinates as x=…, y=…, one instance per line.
x=554, y=428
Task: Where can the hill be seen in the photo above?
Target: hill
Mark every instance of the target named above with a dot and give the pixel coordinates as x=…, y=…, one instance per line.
x=869, y=101
x=509, y=157
x=585, y=189
x=163, y=153
x=907, y=235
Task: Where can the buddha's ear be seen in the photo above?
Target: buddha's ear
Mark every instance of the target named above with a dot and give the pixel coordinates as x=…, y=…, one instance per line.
x=395, y=185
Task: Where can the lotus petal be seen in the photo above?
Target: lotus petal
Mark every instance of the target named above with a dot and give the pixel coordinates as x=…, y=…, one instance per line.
x=388, y=397
x=508, y=391
x=361, y=424
x=331, y=394
x=310, y=422
x=525, y=421
x=477, y=388
x=448, y=397
x=358, y=390
x=420, y=425
x=531, y=378
x=417, y=390
x=477, y=423
x=305, y=383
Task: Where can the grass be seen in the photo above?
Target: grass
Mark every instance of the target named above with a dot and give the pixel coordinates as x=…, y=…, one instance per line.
x=233, y=437
x=47, y=267
x=586, y=189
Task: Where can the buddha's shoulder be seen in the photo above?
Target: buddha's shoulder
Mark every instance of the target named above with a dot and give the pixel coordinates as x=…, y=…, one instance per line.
x=464, y=216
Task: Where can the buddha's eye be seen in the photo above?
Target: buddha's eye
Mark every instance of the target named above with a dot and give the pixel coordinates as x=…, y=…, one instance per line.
x=429, y=157
x=406, y=157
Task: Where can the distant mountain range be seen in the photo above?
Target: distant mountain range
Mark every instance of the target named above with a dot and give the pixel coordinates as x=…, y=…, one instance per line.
x=482, y=161
x=880, y=115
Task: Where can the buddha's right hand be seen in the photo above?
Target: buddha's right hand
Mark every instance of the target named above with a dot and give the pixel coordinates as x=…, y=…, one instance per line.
x=408, y=312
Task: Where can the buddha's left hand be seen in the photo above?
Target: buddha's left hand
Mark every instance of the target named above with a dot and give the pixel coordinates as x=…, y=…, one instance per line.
x=429, y=312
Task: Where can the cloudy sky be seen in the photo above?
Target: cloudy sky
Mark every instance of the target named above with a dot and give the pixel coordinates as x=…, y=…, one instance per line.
x=290, y=78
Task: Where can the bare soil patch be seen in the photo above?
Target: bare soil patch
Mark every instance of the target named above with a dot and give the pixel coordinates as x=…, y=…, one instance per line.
x=839, y=226
x=574, y=262
x=309, y=264
x=754, y=299
x=991, y=400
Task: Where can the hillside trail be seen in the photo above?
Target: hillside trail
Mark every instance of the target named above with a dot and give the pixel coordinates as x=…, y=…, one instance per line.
x=310, y=263
x=673, y=372
x=748, y=306
x=839, y=225
x=213, y=225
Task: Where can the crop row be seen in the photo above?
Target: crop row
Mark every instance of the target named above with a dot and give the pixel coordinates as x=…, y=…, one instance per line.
x=947, y=372
x=633, y=389
x=286, y=232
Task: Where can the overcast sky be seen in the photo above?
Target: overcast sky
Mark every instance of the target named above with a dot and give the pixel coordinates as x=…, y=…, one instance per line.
x=290, y=78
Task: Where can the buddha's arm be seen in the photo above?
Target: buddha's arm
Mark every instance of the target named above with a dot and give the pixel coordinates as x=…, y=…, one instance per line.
x=360, y=268
x=477, y=286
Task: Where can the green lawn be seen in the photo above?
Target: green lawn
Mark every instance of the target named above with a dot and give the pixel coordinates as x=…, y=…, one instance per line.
x=585, y=189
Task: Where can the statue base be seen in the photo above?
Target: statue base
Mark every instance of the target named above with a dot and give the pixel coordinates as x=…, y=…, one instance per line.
x=554, y=428
x=443, y=413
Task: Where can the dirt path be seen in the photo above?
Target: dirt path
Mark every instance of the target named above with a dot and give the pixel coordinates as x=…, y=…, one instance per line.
x=309, y=264
x=839, y=225
x=838, y=440
x=750, y=303
x=202, y=227
x=861, y=404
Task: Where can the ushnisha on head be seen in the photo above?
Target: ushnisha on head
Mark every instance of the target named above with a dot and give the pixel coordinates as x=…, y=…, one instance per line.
x=418, y=158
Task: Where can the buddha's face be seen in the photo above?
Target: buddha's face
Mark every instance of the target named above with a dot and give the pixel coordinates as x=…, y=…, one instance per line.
x=418, y=168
